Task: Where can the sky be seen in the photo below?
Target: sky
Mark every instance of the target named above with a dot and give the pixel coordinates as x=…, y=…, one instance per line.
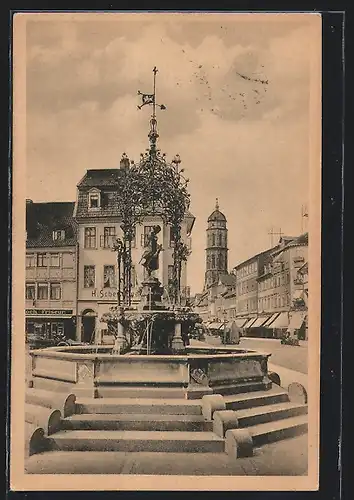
x=237, y=95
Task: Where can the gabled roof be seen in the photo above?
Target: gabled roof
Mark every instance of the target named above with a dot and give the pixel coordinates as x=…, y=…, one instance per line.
x=105, y=177
x=110, y=182
x=44, y=218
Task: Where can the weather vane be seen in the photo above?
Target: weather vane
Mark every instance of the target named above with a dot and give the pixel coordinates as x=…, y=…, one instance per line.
x=151, y=99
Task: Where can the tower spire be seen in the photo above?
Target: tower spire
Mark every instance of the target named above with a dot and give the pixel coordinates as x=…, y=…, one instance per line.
x=217, y=204
x=151, y=99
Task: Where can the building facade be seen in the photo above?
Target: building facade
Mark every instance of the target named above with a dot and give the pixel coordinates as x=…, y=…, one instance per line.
x=216, y=249
x=98, y=220
x=247, y=290
x=51, y=268
x=270, y=295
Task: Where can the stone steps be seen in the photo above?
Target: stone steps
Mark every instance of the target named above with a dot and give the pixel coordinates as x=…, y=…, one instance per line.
x=269, y=413
x=259, y=398
x=136, y=441
x=139, y=422
x=141, y=406
x=274, y=431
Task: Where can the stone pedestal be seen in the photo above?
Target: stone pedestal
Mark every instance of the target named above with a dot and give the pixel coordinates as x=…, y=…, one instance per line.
x=151, y=294
x=119, y=342
x=177, y=341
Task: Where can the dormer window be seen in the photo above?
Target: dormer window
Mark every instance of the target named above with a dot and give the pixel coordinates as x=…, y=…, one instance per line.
x=94, y=201
x=59, y=235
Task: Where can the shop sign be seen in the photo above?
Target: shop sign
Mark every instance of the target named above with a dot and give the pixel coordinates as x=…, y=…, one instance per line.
x=49, y=312
x=104, y=294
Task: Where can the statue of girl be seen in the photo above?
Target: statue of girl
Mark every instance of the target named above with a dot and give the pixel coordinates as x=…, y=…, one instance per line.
x=150, y=257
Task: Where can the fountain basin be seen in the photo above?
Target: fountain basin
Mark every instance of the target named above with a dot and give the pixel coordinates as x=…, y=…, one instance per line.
x=92, y=371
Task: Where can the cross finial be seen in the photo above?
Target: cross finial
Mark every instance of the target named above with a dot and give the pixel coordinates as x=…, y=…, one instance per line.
x=217, y=204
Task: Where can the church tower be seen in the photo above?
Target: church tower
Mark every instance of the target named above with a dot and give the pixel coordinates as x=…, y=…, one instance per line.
x=216, y=250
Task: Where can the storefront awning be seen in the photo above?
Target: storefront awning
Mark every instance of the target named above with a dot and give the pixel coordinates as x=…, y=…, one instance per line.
x=268, y=323
x=250, y=322
x=215, y=326
x=240, y=322
x=260, y=321
x=282, y=321
x=296, y=320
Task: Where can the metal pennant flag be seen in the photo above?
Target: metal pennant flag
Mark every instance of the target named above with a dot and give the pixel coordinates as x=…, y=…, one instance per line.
x=146, y=99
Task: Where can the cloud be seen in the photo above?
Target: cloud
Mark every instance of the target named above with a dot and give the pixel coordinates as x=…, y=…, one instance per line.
x=240, y=140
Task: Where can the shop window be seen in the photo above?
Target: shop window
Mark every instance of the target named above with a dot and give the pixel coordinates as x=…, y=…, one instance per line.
x=109, y=277
x=54, y=260
x=55, y=291
x=57, y=328
x=30, y=260
x=30, y=291
x=89, y=276
x=90, y=237
x=42, y=291
x=42, y=260
x=30, y=327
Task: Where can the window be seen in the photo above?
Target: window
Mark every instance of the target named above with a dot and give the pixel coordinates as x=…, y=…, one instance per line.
x=94, y=200
x=213, y=240
x=30, y=291
x=213, y=261
x=59, y=235
x=145, y=236
x=42, y=260
x=89, y=276
x=30, y=260
x=134, y=237
x=109, y=235
x=170, y=272
x=54, y=260
x=55, y=291
x=220, y=240
x=133, y=277
x=42, y=291
x=109, y=277
x=172, y=238
x=90, y=237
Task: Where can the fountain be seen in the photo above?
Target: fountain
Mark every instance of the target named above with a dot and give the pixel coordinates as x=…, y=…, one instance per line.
x=151, y=353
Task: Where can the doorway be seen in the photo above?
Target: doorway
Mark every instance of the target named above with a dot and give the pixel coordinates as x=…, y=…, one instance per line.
x=88, y=326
